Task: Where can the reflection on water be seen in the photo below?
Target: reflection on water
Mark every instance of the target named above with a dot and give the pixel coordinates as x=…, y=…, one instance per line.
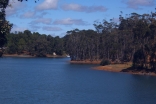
x=55, y=81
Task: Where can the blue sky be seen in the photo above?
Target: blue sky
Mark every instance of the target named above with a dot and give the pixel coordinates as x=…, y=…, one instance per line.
x=56, y=17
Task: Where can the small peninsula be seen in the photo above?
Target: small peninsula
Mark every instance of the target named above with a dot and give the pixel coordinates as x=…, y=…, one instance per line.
x=124, y=68
x=121, y=68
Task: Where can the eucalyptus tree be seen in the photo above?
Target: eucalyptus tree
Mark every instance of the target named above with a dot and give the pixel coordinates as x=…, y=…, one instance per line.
x=82, y=44
x=73, y=44
x=50, y=47
x=58, y=46
x=144, y=37
x=108, y=46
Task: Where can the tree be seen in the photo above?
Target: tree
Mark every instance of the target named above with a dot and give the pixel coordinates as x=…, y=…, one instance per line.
x=5, y=26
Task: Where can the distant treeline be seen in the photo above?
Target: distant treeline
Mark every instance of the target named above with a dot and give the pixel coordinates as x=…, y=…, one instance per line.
x=132, y=38
x=34, y=44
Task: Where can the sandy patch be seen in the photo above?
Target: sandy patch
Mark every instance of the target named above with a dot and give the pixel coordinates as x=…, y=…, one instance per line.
x=123, y=68
x=85, y=62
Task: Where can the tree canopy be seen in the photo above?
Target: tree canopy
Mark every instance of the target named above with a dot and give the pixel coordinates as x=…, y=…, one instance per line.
x=34, y=44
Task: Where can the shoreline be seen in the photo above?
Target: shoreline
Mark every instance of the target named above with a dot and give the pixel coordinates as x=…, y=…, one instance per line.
x=29, y=56
x=85, y=62
x=119, y=68
x=16, y=55
x=123, y=68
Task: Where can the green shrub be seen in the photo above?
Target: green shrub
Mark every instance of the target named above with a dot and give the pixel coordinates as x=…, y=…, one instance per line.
x=105, y=62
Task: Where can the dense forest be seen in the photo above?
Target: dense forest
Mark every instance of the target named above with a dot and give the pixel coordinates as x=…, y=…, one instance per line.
x=34, y=44
x=131, y=38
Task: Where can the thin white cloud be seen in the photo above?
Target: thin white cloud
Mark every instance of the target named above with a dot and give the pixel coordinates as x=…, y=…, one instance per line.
x=47, y=28
x=97, y=9
x=135, y=4
x=28, y=14
x=46, y=21
x=47, y=5
x=81, y=8
x=74, y=7
x=69, y=21
x=15, y=6
x=34, y=14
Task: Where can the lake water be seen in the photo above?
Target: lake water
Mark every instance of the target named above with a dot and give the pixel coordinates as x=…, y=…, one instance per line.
x=55, y=81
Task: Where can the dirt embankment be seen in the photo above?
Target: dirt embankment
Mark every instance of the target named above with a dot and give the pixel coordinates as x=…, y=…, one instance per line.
x=85, y=62
x=113, y=67
x=126, y=68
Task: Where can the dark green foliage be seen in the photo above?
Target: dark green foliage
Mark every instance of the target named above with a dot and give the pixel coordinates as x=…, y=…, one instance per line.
x=5, y=26
x=1, y=53
x=34, y=44
x=138, y=59
x=105, y=62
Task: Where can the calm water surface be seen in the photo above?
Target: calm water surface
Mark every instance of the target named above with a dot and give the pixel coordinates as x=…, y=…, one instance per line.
x=55, y=81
